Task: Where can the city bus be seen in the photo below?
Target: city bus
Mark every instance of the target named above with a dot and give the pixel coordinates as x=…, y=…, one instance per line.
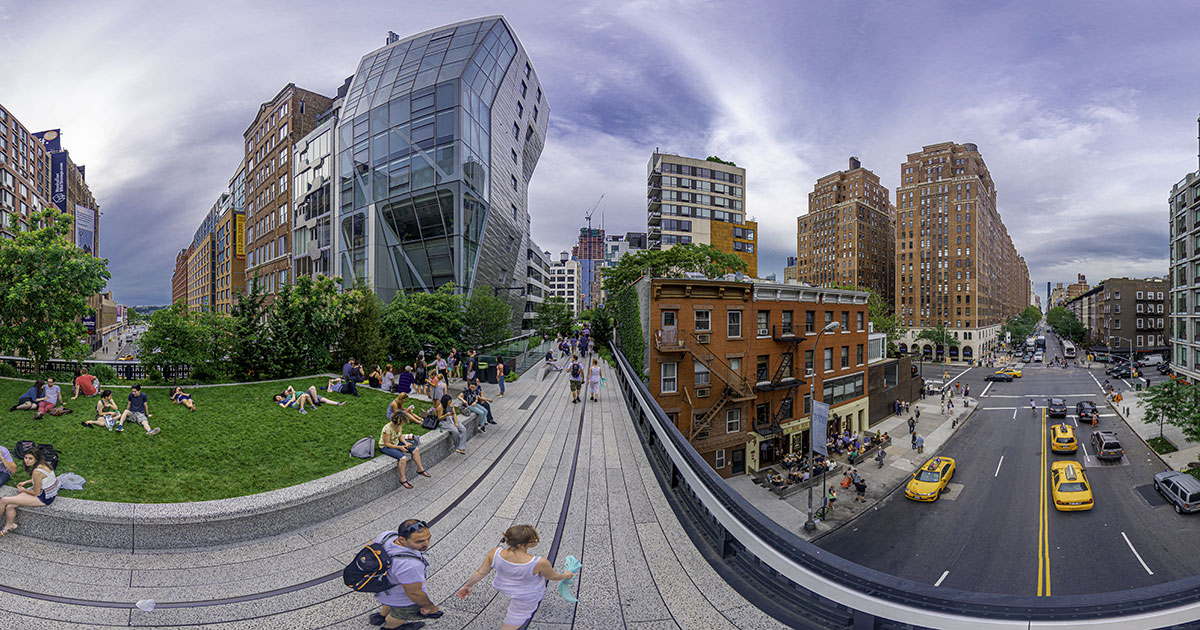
x=1068, y=350
x=1041, y=342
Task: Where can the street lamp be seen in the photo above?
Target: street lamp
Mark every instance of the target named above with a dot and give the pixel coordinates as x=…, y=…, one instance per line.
x=810, y=525
x=1111, y=337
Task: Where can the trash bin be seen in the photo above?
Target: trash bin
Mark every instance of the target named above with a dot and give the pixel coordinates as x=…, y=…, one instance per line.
x=487, y=371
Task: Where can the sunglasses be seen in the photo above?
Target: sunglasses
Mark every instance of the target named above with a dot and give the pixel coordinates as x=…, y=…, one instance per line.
x=412, y=528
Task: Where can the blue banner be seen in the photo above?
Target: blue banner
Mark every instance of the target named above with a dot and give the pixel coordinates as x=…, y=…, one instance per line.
x=51, y=139
x=58, y=180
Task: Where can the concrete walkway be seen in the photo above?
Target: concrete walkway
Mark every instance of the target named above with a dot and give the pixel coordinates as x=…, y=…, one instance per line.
x=1133, y=414
x=899, y=464
x=641, y=570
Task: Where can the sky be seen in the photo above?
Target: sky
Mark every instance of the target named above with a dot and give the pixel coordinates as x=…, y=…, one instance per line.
x=1085, y=112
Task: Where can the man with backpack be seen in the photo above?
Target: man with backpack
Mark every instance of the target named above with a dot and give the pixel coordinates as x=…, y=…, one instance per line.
x=575, y=376
x=393, y=567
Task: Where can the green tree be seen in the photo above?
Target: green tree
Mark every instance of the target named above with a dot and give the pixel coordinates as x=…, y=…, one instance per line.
x=1174, y=403
x=486, y=319
x=554, y=316
x=882, y=317
x=670, y=263
x=940, y=336
x=175, y=339
x=713, y=158
x=215, y=363
x=419, y=320
x=249, y=327
x=362, y=331
x=303, y=325
x=45, y=284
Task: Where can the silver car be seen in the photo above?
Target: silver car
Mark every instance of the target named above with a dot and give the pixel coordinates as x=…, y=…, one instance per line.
x=1181, y=489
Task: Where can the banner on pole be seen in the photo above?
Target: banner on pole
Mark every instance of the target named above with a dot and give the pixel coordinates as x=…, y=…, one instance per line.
x=820, y=428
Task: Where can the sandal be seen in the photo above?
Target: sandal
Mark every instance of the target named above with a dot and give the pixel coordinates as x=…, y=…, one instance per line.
x=424, y=474
x=8, y=529
x=406, y=485
x=460, y=451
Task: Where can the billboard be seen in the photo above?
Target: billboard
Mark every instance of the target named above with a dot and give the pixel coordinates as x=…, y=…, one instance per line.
x=120, y=312
x=85, y=229
x=58, y=180
x=89, y=322
x=51, y=139
x=239, y=236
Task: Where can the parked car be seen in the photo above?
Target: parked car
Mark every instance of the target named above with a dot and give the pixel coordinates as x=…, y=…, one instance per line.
x=1027, y=357
x=1107, y=445
x=1181, y=490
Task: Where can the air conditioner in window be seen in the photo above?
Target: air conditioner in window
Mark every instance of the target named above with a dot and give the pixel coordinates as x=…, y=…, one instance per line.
x=702, y=392
x=704, y=337
x=808, y=373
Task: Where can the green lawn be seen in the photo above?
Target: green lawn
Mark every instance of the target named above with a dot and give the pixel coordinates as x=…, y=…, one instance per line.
x=237, y=442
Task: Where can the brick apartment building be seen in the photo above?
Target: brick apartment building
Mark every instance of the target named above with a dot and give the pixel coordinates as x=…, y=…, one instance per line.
x=733, y=364
x=1125, y=313
x=278, y=126
x=847, y=237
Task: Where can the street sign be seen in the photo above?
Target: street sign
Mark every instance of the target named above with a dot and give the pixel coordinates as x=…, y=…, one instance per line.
x=820, y=428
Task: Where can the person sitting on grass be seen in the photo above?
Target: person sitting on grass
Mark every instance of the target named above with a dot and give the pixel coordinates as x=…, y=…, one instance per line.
x=179, y=397
x=138, y=409
x=393, y=443
x=388, y=382
x=106, y=412
x=375, y=378
x=37, y=491
x=86, y=384
x=28, y=400
x=51, y=396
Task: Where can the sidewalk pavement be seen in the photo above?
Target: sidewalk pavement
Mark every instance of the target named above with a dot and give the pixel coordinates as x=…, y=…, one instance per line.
x=1133, y=414
x=899, y=464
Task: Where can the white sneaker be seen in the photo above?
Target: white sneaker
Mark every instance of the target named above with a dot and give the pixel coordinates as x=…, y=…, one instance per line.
x=153, y=431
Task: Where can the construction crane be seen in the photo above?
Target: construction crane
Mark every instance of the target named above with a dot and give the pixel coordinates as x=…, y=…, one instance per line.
x=592, y=255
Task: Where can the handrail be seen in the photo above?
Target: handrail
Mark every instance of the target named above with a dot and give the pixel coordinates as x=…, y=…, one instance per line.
x=806, y=586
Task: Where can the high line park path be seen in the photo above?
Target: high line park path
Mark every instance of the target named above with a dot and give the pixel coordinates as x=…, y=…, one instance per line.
x=575, y=471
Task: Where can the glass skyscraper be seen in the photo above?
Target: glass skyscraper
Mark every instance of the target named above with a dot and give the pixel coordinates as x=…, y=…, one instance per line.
x=437, y=139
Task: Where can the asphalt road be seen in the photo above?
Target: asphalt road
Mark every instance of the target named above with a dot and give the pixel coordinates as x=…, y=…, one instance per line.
x=988, y=532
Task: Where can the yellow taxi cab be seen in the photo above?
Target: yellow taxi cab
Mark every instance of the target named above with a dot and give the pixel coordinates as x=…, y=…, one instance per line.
x=929, y=480
x=1013, y=372
x=128, y=357
x=1062, y=439
x=1070, y=487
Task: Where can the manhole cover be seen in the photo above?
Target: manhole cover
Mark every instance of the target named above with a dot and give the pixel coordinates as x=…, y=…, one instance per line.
x=1151, y=495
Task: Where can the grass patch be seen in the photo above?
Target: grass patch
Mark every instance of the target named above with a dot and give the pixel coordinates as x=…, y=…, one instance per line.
x=1162, y=446
x=237, y=442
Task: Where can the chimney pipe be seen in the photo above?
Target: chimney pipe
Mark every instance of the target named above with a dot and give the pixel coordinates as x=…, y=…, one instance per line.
x=854, y=163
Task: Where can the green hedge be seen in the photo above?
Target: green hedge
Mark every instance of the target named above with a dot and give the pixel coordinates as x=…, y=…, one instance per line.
x=629, y=327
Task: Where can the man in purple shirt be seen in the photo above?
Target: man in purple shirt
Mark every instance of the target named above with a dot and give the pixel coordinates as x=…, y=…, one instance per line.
x=407, y=601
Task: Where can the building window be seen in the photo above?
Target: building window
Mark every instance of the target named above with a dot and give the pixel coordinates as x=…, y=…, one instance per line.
x=808, y=361
x=514, y=155
x=520, y=110
x=527, y=70
x=719, y=459
x=516, y=131
x=703, y=321
x=514, y=181
x=860, y=321
x=828, y=359
x=845, y=356
x=733, y=421
x=860, y=355
x=810, y=321
x=668, y=319
x=535, y=114
x=845, y=321
x=735, y=324
x=1140, y=341
x=701, y=374
x=523, y=88
x=764, y=329
x=828, y=317
x=669, y=381
x=762, y=371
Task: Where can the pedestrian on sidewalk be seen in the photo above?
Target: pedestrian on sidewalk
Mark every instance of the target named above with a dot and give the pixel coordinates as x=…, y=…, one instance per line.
x=950, y=405
x=914, y=441
x=906, y=406
x=920, y=444
x=832, y=498
x=943, y=407
x=918, y=414
x=500, y=376
x=860, y=490
x=575, y=377
x=513, y=575
x=912, y=425
x=407, y=601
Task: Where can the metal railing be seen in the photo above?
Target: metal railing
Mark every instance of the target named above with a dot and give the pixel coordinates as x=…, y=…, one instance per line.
x=807, y=587
x=127, y=370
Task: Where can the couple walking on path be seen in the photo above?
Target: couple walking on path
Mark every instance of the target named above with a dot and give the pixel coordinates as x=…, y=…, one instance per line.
x=575, y=375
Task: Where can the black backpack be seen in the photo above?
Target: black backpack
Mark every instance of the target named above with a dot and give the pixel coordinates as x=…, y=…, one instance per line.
x=368, y=571
x=575, y=371
x=49, y=454
x=430, y=420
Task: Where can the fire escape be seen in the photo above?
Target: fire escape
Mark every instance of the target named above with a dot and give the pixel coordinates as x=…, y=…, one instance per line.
x=736, y=388
x=782, y=380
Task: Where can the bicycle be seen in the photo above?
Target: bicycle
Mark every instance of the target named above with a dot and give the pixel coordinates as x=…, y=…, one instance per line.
x=822, y=512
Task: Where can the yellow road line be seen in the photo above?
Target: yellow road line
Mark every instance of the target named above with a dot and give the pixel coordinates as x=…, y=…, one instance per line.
x=1044, y=496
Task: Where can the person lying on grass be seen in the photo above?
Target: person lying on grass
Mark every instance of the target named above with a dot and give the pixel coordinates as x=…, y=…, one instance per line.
x=289, y=398
x=28, y=400
x=106, y=412
x=179, y=397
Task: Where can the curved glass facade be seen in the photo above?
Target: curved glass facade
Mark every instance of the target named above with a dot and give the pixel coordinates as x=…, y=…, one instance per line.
x=414, y=163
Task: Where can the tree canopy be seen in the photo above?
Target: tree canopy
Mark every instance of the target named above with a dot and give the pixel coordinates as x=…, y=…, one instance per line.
x=939, y=335
x=1065, y=324
x=1174, y=403
x=554, y=316
x=45, y=284
x=670, y=263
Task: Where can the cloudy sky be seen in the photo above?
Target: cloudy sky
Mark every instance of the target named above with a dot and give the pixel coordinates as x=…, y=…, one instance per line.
x=1085, y=112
